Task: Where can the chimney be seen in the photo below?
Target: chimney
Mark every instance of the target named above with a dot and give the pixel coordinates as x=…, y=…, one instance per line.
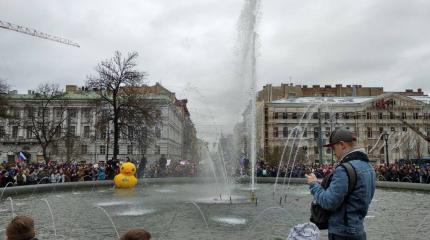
x=71, y=88
x=338, y=85
x=420, y=90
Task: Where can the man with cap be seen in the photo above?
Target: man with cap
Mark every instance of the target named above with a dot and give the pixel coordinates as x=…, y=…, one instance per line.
x=348, y=205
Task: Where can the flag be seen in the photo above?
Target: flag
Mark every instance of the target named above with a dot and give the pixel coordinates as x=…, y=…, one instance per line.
x=21, y=157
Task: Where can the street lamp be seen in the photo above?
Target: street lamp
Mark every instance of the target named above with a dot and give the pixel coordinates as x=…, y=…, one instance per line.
x=385, y=136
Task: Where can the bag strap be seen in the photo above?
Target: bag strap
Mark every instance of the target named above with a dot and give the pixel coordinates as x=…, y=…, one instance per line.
x=352, y=176
x=352, y=181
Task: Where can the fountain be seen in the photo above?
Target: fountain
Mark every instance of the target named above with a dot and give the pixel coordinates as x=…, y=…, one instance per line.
x=199, y=208
x=247, y=31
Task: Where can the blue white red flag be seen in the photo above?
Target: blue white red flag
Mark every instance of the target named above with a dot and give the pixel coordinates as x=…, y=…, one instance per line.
x=21, y=157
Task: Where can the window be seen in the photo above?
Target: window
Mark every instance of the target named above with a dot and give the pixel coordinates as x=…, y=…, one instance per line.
x=72, y=113
x=30, y=112
x=84, y=149
x=86, y=113
x=58, y=132
x=14, y=131
x=275, y=115
x=103, y=133
x=369, y=132
x=356, y=115
x=72, y=130
x=275, y=132
x=294, y=115
x=316, y=131
x=2, y=132
x=157, y=132
x=379, y=115
x=143, y=133
x=58, y=112
x=326, y=115
x=305, y=116
x=337, y=115
x=316, y=150
x=87, y=131
x=403, y=115
x=285, y=132
x=415, y=116
x=130, y=149
x=391, y=115
x=284, y=115
x=130, y=133
x=369, y=115
x=296, y=132
x=305, y=149
x=102, y=149
x=29, y=132
x=327, y=131
x=305, y=132
x=157, y=149
x=346, y=115
x=15, y=113
x=328, y=150
x=404, y=129
x=381, y=130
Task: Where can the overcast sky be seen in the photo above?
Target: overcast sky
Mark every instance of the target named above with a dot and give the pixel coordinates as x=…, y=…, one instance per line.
x=189, y=45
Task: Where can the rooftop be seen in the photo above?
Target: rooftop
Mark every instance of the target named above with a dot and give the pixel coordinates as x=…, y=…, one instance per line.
x=341, y=100
x=328, y=100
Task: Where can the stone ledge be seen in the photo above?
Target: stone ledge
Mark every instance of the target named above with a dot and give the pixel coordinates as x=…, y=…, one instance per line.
x=29, y=189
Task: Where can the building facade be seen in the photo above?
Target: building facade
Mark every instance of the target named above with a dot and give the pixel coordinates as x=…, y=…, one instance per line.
x=300, y=125
x=71, y=122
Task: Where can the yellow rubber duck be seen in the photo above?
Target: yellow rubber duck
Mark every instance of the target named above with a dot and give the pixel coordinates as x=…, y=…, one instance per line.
x=126, y=178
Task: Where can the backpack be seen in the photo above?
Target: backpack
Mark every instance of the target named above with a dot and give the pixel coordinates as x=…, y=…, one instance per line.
x=319, y=215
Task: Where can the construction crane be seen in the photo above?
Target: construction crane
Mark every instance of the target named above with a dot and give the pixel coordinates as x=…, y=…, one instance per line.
x=35, y=33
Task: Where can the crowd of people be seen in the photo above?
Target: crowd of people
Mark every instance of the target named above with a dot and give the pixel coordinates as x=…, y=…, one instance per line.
x=23, y=173
x=175, y=169
x=403, y=173
x=394, y=172
x=298, y=171
x=52, y=172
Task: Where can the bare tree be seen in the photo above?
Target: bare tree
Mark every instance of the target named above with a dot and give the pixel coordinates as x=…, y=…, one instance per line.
x=138, y=118
x=45, y=116
x=118, y=83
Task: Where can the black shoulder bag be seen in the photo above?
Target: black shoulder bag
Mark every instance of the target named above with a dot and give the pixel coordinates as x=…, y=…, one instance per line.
x=319, y=215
